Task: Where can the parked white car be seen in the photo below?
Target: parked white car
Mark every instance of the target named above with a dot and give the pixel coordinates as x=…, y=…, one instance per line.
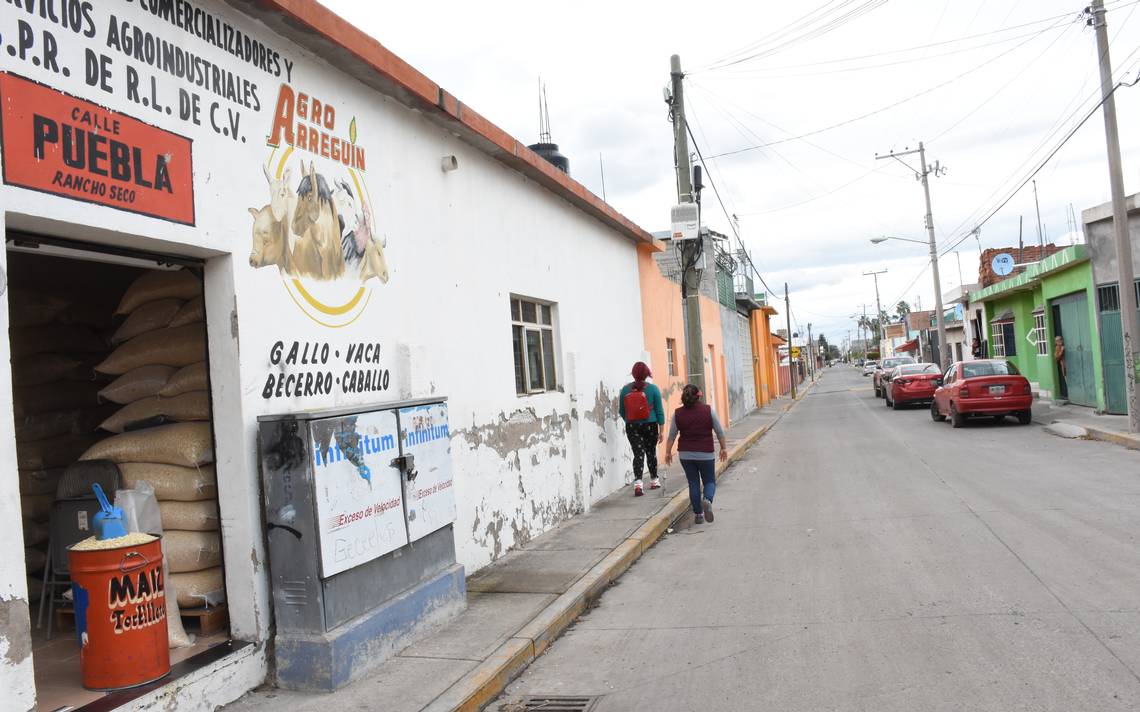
x=869, y=367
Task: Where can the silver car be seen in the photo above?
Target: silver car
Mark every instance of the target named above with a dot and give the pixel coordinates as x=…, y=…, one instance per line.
x=869, y=367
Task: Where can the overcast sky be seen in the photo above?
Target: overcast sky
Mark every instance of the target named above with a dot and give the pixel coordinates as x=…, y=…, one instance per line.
x=991, y=87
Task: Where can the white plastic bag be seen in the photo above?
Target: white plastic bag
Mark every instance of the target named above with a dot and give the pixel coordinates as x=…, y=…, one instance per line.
x=141, y=514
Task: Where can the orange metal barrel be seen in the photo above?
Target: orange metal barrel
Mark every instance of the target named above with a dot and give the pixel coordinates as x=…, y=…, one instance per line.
x=120, y=615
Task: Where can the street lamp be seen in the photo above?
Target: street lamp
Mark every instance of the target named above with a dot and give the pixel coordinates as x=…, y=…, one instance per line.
x=938, y=313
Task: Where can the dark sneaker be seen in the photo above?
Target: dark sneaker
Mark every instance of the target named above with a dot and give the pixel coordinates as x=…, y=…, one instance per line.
x=708, y=511
x=654, y=483
x=698, y=519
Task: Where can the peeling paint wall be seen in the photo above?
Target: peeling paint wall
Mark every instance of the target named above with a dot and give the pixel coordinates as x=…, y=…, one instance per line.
x=15, y=625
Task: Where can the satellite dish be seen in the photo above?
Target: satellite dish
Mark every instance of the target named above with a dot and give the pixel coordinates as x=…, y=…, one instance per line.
x=1002, y=264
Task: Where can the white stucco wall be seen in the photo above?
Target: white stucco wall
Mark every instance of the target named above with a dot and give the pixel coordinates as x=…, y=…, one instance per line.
x=458, y=244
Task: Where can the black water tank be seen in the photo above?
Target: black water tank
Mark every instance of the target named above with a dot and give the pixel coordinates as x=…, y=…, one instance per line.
x=549, y=151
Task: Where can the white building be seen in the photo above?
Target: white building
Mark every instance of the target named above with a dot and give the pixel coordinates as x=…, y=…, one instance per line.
x=472, y=269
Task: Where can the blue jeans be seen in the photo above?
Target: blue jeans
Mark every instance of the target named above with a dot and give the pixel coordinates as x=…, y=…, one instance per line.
x=698, y=471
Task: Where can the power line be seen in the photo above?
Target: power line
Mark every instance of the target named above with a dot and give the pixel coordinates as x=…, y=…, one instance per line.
x=731, y=222
x=882, y=109
x=928, y=46
x=807, y=33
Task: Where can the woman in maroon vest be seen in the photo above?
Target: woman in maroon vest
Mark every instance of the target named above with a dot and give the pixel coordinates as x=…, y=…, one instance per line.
x=696, y=422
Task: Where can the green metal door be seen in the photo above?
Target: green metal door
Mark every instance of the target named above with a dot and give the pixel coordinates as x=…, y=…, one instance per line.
x=1074, y=328
x=1112, y=354
x=1112, y=349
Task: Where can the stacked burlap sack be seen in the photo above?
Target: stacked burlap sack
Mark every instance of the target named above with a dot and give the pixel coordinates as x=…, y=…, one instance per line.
x=55, y=346
x=162, y=431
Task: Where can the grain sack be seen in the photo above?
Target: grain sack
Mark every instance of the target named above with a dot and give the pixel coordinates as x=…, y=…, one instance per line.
x=61, y=395
x=45, y=368
x=175, y=632
x=171, y=482
x=39, y=481
x=148, y=317
x=36, y=507
x=138, y=383
x=152, y=286
x=54, y=338
x=30, y=308
x=190, y=516
x=191, y=406
x=34, y=559
x=192, y=312
x=35, y=533
x=191, y=551
x=199, y=589
x=54, y=452
x=178, y=347
x=40, y=426
x=190, y=378
x=187, y=444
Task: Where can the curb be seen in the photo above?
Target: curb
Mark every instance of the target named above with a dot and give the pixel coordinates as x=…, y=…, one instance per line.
x=1131, y=442
x=488, y=679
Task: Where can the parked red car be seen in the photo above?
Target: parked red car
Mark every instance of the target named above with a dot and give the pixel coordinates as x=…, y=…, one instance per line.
x=911, y=383
x=885, y=367
x=991, y=388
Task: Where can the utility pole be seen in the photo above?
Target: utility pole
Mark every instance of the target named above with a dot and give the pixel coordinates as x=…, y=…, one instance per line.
x=1040, y=237
x=788, y=309
x=1129, y=319
x=923, y=174
x=811, y=354
x=878, y=306
x=690, y=253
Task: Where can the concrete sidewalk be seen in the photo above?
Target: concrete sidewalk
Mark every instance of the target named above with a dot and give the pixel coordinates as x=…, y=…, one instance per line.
x=518, y=605
x=1109, y=428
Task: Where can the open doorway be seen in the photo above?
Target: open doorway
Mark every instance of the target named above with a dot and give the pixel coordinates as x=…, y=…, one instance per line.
x=110, y=366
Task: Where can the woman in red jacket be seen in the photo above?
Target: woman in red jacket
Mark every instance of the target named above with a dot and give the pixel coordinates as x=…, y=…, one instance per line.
x=696, y=423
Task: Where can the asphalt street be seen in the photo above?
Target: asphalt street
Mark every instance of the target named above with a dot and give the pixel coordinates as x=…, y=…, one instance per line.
x=867, y=559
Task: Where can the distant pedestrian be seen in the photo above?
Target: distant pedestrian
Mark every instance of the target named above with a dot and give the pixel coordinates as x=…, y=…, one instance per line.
x=696, y=423
x=640, y=406
x=1062, y=367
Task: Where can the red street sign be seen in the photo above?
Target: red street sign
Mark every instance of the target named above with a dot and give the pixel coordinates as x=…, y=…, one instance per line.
x=59, y=144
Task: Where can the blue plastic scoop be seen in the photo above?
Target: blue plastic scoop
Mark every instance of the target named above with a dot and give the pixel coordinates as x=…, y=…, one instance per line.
x=108, y=522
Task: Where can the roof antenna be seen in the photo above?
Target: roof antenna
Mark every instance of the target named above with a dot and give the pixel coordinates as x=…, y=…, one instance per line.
x=543, y=114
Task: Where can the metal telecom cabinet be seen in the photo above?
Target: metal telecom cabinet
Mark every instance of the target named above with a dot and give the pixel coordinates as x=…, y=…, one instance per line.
x=359, y=506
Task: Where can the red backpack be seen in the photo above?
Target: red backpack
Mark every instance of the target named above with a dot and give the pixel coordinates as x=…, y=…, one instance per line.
x=636, y=404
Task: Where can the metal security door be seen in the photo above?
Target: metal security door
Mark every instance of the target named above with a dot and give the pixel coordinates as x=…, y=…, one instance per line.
x=747, y=363
x=429, y=495
x=1074, y=328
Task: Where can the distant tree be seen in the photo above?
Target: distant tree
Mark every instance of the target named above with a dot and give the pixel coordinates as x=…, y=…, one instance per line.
x=902, y=309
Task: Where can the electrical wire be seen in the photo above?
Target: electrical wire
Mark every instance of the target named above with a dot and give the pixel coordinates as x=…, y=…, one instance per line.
x=1110, y=6
x=731, y=222
x=806, y=32
x=888, y=107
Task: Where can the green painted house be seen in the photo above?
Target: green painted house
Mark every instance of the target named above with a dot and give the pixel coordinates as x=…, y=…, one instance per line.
x=1054, y=297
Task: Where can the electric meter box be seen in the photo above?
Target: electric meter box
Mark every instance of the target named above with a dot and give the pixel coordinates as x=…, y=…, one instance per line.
x=359, y=508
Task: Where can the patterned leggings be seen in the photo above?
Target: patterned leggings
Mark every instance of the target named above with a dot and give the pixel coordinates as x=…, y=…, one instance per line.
x=643, y=440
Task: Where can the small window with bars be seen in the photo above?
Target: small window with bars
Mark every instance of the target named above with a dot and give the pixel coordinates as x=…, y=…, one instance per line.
x=1039, y=336
x=1108, y=298
x=671, y=355
x=532, y=340
x=1003, y=338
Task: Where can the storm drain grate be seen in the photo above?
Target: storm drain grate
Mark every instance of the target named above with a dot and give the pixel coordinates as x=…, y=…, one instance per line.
x=547, y=703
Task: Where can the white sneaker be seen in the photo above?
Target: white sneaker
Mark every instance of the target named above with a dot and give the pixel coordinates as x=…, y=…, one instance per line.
x=637, y=488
